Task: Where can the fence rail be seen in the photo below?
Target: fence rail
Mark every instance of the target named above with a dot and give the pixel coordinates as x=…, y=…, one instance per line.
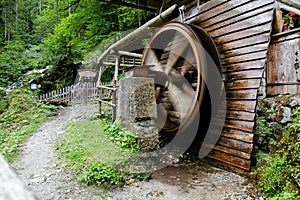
x=79, y=93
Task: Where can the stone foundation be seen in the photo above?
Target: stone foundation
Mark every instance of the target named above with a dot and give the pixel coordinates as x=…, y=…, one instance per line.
x=273, y=115
x=137, y=110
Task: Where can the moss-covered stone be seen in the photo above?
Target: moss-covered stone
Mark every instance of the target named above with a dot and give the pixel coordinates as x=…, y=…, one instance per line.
x=137, y=110
x=277, y=146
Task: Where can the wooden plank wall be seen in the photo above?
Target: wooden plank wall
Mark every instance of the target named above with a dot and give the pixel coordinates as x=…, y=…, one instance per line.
x=241, y=30
x=283, y=70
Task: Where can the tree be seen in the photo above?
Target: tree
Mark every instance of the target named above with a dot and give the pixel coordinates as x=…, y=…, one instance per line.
x=37, y=33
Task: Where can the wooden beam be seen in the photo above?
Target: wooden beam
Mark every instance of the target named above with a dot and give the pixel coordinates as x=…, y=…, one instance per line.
x=105, y=87
x=291, y=3
x=126, y=53
x=138, y=34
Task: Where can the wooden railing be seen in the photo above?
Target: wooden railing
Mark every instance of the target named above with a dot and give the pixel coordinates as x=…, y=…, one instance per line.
x=79, y=93
x=126, y=62
x=108, y=92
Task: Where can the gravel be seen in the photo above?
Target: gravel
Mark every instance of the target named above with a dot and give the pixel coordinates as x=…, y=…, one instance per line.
x=48, y=177
x=41, y=170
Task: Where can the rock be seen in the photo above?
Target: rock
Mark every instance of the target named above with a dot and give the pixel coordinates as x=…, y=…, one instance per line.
x=155, y=193
x=285, y=114
x=38, y=180
x=294, y=101
x=11, y=187
x=276, y=129
x=131, y=181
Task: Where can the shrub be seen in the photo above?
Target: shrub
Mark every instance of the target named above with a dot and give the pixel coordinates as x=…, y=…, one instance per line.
x=123, y=138
x=20, y=120
x=100, y=174
x=279, y=172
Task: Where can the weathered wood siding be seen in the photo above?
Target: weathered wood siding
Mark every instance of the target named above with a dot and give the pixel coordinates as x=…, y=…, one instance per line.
x=283, y=68
x=241, y=30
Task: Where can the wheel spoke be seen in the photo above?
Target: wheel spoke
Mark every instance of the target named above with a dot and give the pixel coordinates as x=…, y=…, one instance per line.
x=183, y=94
x=189, y=63
x=151, y=58
x=179, y=49
x=177, y=71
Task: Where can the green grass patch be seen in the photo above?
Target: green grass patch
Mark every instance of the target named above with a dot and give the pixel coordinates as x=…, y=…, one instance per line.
x=279, y=172
x=95, y=149
x=20, y=120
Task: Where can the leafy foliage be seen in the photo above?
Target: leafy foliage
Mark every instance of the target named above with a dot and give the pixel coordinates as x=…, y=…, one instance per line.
x=94, y=156
x=20, y=120
x=121, y=137
x=279, y=173
x=61, y=33
x=99, y=174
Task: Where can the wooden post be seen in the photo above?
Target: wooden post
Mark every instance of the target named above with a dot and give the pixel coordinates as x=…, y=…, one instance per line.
x=114, y=99
x=70, y=94
x=100, y=98
x=114, y=102
x=117, y=65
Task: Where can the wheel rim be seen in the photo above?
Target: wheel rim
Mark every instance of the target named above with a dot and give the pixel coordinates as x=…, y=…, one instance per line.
x=177, y=57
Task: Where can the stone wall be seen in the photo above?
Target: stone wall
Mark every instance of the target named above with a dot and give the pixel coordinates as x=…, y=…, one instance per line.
x=273, y=115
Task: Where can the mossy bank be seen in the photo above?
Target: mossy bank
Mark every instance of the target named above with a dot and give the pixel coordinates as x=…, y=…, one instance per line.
x=277, y=147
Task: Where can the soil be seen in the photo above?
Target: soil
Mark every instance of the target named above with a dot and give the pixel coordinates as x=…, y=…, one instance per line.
x=48, y=177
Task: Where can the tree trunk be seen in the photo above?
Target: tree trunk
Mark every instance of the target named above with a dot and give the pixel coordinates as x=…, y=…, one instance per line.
x=17, y=14
x=40, y=7
x=56, y=12
x=69, y=8
x=5, y=22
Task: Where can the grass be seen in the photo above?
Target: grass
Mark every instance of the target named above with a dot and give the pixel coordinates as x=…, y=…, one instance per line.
x=279, y=171
x=87, y=138
x=19, y=120
x=93, y=151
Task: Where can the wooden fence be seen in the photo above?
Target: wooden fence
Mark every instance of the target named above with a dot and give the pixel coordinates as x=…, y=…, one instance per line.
x=74, y=94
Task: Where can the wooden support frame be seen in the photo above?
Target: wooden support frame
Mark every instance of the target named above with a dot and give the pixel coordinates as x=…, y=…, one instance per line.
x=114, y=99
x=112, y=89
x=137, y=34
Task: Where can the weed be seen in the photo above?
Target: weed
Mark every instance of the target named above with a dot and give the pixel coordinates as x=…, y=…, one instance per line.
x=93, y=153
x=21, y=119
x=100, y=174
x=279, y=173
x=123, y=138
x=272, y=111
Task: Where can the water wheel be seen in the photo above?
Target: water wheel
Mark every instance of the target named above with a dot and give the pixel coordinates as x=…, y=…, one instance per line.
x=178, y=57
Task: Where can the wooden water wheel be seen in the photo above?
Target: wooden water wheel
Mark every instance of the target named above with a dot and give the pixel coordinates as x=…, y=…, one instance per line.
x=177, y=55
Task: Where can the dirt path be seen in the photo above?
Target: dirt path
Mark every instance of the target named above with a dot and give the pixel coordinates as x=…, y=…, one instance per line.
x=39, y=167
x=48, y=178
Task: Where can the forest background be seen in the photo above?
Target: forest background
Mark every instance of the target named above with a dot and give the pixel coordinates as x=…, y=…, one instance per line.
x=56, y=35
